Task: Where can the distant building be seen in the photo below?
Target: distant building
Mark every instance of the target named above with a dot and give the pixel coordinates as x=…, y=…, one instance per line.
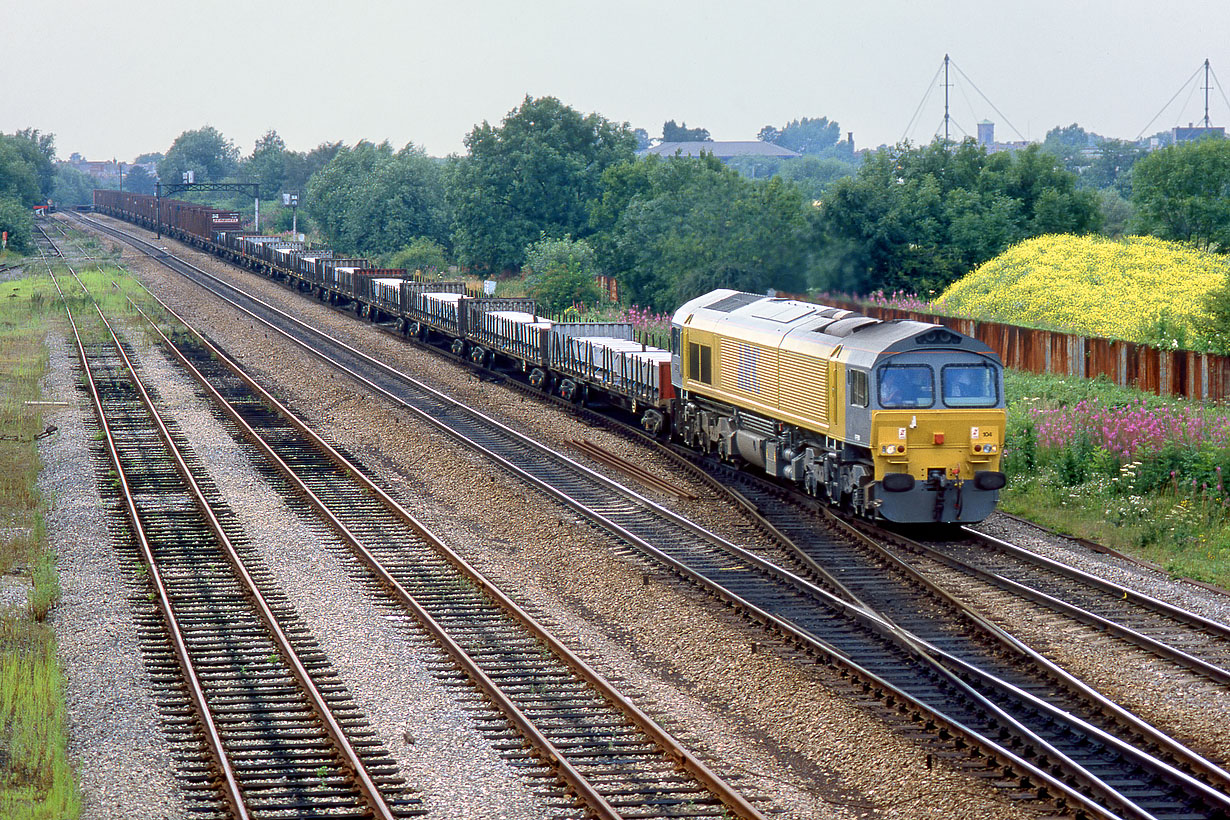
x=986, y=132
x=722, y=149
x=107, y=171
x=1194, y=132
x=986, y=138
x=99, y=169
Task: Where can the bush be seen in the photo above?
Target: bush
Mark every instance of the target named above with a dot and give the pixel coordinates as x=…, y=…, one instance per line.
x=19, y=222
x=563, y=273
x=423, y=254
x=1132, y=471
x=1139, y=289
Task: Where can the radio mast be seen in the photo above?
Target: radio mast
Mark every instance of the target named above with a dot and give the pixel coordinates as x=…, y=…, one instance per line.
x=1207, y=124
x=947, y=86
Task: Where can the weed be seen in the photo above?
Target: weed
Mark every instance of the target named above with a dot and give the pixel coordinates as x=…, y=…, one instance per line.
x=36, y=780
x=1133, y=471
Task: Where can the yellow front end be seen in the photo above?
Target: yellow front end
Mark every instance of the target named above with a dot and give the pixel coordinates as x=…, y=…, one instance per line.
x=953, y=457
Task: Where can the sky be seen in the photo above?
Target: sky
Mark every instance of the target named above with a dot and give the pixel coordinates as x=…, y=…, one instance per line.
x=118, y=78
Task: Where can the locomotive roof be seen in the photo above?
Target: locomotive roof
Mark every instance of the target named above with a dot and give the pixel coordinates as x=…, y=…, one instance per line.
x=768, y=320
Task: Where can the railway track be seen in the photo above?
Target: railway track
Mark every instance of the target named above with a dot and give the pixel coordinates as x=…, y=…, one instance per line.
x=1022, y=724
x=1185, y=638
x=609, y=754
x=268, y=729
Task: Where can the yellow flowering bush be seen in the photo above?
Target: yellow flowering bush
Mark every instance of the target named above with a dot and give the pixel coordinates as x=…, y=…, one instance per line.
x=1139, y=288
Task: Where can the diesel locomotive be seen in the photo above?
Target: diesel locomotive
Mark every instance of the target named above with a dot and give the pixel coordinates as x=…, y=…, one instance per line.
x=898, y=420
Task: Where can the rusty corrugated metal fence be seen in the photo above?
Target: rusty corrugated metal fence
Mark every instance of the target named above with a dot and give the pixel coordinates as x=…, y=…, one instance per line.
x=1165, y=372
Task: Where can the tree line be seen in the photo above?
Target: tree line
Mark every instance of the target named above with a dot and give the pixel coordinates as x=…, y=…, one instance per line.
x=566, y=194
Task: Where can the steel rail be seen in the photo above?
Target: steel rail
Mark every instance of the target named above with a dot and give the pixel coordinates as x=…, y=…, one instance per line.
x=857, y=612
x=1118, y=590
x=230, y=785
x=868, y=619
x=1134, y=722
x=1143, y=641
x=552, y=756
x=1179, y=751
x=673, y=749
x=350, y=756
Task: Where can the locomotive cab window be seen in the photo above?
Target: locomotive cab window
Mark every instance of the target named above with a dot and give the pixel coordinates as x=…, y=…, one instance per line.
x=969, y=385
x=906, y=385
x=857, y=388
x=675, y=340
x=700, y=363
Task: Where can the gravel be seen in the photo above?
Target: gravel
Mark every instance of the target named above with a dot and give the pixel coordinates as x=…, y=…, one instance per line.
x=382, y=660
x=123, y=760
x=795, y=736
x=1193, y=597
x=1186, y=705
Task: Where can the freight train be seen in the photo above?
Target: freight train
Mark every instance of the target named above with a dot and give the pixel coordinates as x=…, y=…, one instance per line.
x=898, y=420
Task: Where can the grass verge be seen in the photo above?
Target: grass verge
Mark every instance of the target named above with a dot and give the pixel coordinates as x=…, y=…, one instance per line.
x=1132, y=471
x=36, y=780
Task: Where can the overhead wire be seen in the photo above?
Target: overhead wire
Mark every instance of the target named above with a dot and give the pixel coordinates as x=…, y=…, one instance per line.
x=988, y=100
x=922, y=102
x=1168, y=102
x=1220, y=89
x=1179, y=115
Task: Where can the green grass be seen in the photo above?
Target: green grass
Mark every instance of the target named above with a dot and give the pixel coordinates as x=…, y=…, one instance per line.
x=1146, y=506
x=36, y=780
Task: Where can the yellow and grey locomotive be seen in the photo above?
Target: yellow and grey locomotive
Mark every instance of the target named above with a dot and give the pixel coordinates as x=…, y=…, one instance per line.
x=901, y=420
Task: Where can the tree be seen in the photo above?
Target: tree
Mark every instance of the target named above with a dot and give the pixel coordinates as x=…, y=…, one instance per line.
x=139, y=181
x=423, y=254
x=917, y=219
x=72, y=187
x=371, y=200
x=1071, y=145
x=1183, y=193
x=151, y=158
x=563, y=273
x=642, y=138
x=1117, y=213
x=1111, y=166
x=681, y=133
x=27, y=178
x=40, y=150
x=815, y=175
x=209, y=155
x=301, y=167
x=809, y=136
x=26, y=170
x=267, y=164
x=672, y=228
x=20, y=179
x=769, y=133
x=535, y=173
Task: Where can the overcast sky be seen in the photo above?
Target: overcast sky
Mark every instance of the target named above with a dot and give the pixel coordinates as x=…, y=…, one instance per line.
x=122, y=77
